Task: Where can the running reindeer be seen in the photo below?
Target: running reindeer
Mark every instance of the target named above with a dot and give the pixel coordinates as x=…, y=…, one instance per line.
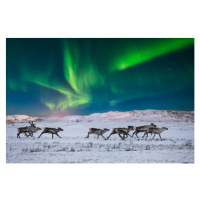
x=53, y=131
x=142, y=129
x=28, y=129
x=155, y=131
x=123, y=131
x=97, y=132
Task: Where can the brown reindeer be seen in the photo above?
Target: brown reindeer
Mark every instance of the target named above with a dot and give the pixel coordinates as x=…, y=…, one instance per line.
x=53, y=131
x=31, y=133
x=97, y=132
x=28, y=129
x=155, y=131
x=143, y=129
x=119, y=131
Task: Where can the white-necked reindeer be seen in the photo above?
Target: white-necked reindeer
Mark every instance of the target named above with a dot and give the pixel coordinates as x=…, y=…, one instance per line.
x=143, y=129
x=155, y=131
x=97, y=132
x=28, y=129
x=119, y=131
x=53, y=131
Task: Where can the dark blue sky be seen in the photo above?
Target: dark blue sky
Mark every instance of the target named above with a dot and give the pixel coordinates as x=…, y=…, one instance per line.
x=83, y=76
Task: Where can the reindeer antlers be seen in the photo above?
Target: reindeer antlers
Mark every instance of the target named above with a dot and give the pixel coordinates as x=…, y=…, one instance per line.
x=32, y=124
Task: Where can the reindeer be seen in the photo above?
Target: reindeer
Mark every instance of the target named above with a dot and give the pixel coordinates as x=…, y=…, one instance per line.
x=30, y=132
x=143, y=129
x=28, y=129
x=155, y=131
x=97, y=132
x=53, y=131
x=119, y=131
x=125, y=131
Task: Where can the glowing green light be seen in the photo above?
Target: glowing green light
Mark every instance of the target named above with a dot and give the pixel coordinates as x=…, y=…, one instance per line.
x=81, y=72
x=113, y=102
x=50, y=105
x=141, y=54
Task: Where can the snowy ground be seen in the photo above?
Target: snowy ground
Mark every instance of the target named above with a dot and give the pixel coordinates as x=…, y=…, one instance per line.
x=177, y=145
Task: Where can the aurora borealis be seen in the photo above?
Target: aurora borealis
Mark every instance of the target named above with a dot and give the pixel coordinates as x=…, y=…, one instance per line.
x=83, y=76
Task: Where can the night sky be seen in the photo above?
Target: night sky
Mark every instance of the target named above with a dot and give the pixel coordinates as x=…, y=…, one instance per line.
x=83, y=76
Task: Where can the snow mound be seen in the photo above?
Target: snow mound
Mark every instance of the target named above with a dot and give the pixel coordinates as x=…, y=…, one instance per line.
x=21, y=118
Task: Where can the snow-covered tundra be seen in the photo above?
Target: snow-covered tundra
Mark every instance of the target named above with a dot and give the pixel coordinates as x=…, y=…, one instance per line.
x=176, y=146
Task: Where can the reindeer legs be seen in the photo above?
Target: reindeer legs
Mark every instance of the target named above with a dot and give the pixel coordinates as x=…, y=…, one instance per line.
x=135, y=134
x=160, y=136
x=18, y=135
x=110, y=135
x=128, y=134
x=58, y=135
x=26, y=134
x=121, y=136
x=124, y=136
x=103, y=137
x=40, y=134
x=30, y=134
x=88, y=135
x=144, y=134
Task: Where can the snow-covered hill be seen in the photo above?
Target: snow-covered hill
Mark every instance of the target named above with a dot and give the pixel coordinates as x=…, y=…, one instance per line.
x=21, y=118
x=136, y=115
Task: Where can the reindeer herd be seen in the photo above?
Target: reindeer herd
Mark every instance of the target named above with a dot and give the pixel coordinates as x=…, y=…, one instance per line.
x=122, y=132
x=33, y=129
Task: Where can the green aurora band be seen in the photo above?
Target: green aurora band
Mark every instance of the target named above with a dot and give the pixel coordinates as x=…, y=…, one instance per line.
x=145, y=52
x=81, y=75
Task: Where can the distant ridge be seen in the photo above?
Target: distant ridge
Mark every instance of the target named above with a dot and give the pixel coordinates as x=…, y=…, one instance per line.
x=129, y=116
x=21, y=118
x=136, y=115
